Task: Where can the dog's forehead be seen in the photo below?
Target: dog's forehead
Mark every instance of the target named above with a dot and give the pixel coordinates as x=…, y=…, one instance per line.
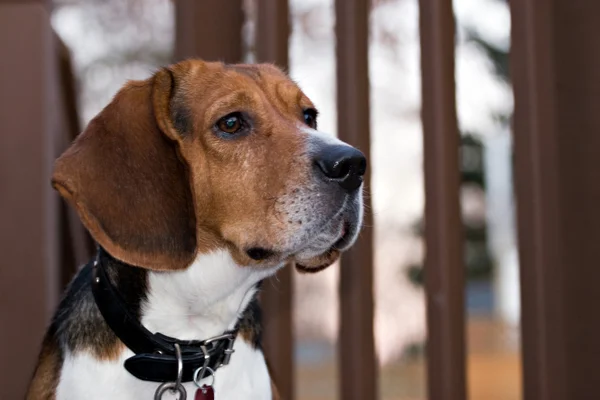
x=266, y=78
x=271, y=80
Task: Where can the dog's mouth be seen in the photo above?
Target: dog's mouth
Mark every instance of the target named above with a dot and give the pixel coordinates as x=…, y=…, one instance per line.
x=345, y=239
x=345, y=236
x=318, y=247
x=312, y=262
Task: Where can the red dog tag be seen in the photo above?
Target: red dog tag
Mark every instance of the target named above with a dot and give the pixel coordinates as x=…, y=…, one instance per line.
x=205, y=393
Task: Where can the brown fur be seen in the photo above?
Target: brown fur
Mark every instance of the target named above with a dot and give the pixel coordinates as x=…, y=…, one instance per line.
x=45, y=378
x=125, y=179
x=155, y=185
x=109, y=352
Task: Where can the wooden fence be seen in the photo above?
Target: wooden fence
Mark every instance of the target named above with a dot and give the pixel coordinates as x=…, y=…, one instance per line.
x=556, y=76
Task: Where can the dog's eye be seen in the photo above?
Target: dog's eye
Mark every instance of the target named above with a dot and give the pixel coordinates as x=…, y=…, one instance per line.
x=231, y=123
x=310, y=117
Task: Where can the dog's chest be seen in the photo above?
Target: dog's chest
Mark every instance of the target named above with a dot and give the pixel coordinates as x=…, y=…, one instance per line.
x=200, y=302
x=84, y=377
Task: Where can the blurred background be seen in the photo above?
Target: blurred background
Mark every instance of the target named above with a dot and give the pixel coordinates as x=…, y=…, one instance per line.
x=115, y=40
x=103, y=43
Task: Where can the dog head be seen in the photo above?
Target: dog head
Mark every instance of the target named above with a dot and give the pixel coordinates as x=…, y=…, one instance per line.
x=204, y=156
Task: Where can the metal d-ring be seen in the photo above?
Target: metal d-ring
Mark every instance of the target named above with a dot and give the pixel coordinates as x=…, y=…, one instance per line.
x=197, y=378
x=179, y=364
x=173, y=386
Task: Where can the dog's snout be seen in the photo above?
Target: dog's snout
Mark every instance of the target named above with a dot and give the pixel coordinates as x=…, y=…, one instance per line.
x=342, y=164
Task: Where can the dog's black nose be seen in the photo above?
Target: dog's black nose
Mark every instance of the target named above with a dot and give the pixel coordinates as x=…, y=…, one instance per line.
x=342, y=164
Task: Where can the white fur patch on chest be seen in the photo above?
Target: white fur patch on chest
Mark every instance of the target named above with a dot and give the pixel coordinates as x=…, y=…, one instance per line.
x=201, y=302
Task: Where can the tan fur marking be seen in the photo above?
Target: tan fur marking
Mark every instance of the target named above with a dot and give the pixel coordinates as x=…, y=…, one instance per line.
x=47, y=373
x=109, y=352
x=250, y=331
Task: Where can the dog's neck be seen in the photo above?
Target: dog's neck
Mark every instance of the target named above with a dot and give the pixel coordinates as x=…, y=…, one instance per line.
x=197, y=303
x=202, y=301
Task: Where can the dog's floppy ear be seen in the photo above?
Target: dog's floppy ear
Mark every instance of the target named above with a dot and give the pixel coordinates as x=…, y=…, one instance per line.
x=125, y=177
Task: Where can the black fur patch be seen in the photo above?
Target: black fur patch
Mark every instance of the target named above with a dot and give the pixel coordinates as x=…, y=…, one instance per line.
x=78, y=324
x=250, y=324
x=181, y=119
x=178, y=110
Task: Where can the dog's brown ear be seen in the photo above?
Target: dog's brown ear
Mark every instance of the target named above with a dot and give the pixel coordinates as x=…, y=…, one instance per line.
x=128, y=183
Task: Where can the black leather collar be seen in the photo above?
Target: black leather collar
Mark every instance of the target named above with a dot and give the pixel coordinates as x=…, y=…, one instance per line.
x=154, y=358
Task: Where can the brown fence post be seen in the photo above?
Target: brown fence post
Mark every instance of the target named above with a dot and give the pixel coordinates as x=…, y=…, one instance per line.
x=209, y=29
x=356, y=343
x=77, y=244
x=32, y=135
x=272, y=36
x=444, y=270
x=556, y=77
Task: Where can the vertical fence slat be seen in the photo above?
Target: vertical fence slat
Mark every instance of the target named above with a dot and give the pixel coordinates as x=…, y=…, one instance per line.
x=272, y=32
x=356, y=343
x=29, y=227
x=556, y=75
x=272, y=36
x=536, y=190
x=209, y=29
x=77, y=244
x=444, y=270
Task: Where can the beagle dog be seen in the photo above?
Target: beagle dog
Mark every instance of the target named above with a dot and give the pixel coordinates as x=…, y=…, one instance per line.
x=197, y=184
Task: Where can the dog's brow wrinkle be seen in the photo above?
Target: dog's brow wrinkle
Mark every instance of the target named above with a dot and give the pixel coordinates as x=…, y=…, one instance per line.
x=248, y=70
x=279, y=88
x=299, y=96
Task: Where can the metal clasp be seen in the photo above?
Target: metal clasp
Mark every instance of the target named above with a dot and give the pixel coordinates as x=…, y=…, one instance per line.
x=173, y=386
x=228, y=350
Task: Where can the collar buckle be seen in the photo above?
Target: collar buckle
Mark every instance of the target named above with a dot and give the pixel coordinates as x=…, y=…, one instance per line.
x=227, y=352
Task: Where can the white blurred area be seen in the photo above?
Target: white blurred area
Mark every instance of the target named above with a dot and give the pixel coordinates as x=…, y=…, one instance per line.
x=116, y=40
